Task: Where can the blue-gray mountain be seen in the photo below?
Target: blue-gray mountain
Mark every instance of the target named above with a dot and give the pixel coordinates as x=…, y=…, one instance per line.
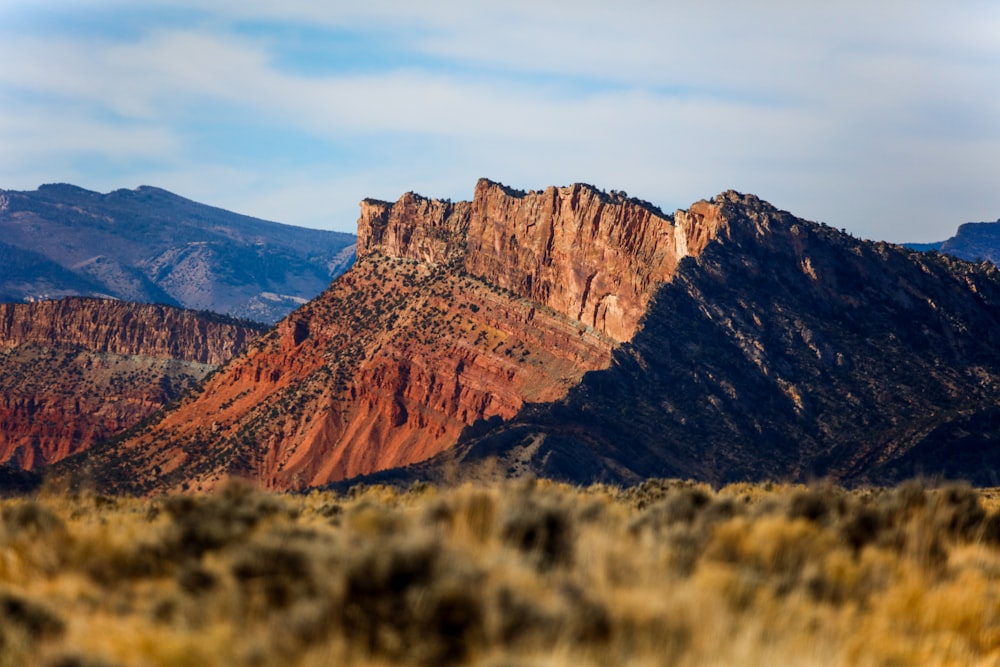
x=149, y=245
x=974, y=241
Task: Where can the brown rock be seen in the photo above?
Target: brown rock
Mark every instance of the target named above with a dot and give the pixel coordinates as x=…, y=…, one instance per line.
x=77, y=371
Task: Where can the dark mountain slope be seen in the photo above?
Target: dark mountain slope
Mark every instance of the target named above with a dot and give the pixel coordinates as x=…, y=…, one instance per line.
x=152, y=246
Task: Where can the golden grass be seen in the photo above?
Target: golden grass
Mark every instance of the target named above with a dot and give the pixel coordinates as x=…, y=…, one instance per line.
x=525, y=573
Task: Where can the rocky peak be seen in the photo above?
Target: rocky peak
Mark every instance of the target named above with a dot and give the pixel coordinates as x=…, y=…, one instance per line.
x=427, y=230
x=592, y=256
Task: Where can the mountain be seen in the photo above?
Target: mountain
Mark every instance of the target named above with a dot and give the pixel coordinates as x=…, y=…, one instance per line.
x=79, y=370
x=151, y=246
x=974, y=241
x=786, y=350
x=590, y=337
x=452, y=314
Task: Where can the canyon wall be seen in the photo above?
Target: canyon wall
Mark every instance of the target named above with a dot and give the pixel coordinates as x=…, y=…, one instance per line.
x=77, y=371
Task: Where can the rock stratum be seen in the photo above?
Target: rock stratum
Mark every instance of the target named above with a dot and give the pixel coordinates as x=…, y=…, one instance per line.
x=78, y=370
x=149, y=245
x=589, y=337
x=454, y=314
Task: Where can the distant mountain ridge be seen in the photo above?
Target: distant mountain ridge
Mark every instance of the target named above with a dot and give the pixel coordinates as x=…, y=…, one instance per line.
x=973, y=241
x=149, y=245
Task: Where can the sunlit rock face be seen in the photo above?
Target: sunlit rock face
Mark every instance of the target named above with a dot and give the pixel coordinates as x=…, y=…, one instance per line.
x=76, y=371
x=453, y=313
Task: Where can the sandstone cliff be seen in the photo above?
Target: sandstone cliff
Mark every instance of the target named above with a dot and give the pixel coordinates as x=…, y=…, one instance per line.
x=124, y=328
x=454, y=313
x=791, y=351
x=77, y=371
x=593, y=257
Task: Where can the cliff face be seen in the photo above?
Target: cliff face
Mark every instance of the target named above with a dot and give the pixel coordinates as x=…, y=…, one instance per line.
x=453, y=314
x=593, y=257
x=792, y=352
x=123, y=328
x=77, y=371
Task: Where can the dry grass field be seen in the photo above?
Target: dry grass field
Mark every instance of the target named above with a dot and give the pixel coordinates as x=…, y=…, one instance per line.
x=527, y=573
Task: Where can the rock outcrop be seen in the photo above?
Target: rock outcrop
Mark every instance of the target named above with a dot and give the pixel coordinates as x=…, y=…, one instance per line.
x=974, y=241
x=77, y=371
x=455, y=314
x=124, y=328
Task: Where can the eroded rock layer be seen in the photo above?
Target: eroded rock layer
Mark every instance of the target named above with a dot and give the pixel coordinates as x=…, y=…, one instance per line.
x=77, y=371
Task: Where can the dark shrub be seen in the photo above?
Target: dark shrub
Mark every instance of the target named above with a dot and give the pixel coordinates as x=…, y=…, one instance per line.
x=35, y=620
x=862, y=526
x=31, y=517
x=819, y=505
x=956, y=511
x=281, y=574
x=204, y=523
x=539, y=528
x=679, y=505
x=402, y=599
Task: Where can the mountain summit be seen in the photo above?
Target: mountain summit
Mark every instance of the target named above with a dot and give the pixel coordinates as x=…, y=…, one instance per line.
x=151, y=246
x=588, y=336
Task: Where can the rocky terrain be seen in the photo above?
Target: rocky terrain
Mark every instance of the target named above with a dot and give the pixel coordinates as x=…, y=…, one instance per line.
x=423, y=338
x=79, y=370
x=587, y=336
x=148, y=245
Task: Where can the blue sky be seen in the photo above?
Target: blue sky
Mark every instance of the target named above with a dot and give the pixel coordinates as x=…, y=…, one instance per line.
x=879, y=117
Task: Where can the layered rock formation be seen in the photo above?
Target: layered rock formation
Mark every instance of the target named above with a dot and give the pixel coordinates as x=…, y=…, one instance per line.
x=789, y=351
x=585, y=336
x=592, y=257
x=454, y=314
x=124, y=328
x=77, y=371
x=149, y=245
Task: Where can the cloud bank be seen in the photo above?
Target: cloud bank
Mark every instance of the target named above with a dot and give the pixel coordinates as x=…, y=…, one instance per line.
x=884, y=120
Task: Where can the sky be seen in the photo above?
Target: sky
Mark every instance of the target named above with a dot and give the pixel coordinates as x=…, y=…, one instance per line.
x=881, y=117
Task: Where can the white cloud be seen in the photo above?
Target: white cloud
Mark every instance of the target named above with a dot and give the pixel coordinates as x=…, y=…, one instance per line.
x=830, y=110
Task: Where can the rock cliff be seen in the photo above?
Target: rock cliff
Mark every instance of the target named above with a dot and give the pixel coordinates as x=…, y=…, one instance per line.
x=454, y=314
x=77, y=371
x=124, y=328
x=593, y=257
x=792, y=352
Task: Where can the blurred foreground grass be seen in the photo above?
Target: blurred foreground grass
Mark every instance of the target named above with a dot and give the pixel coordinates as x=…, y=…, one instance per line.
x=527, y=573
